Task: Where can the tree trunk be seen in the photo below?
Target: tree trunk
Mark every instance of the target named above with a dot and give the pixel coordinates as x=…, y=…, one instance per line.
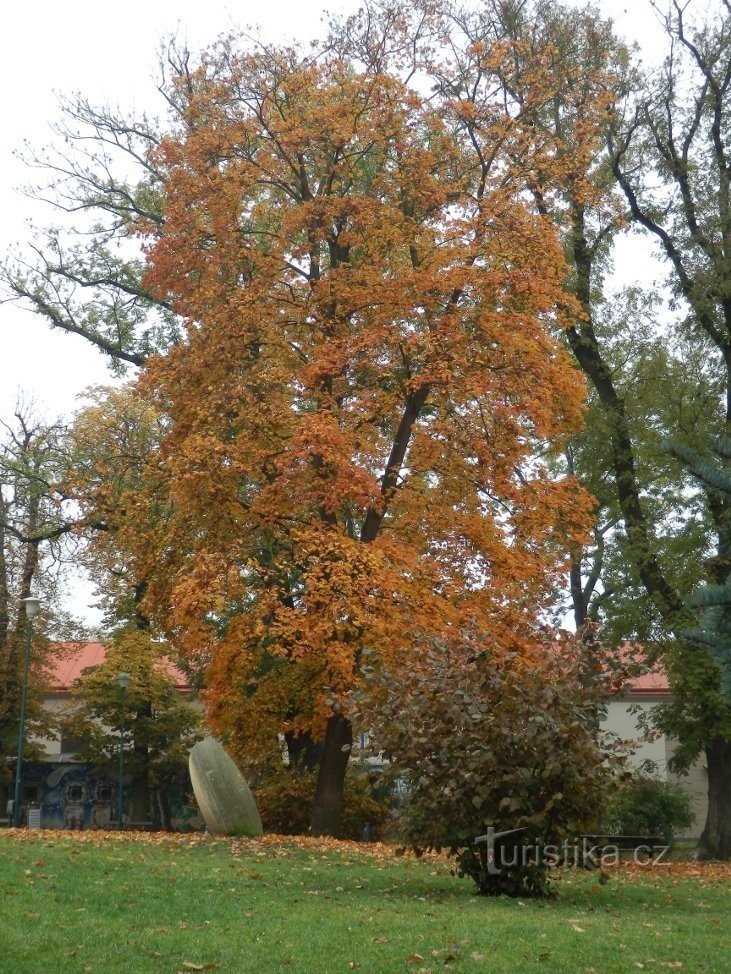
x=163, y=805
x=140, y=794
x=140, y=799
x=715, y=842
x=328, y=806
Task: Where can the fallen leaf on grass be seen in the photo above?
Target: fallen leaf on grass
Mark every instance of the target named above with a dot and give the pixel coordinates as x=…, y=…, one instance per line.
x=414, y=958
x=188, y=965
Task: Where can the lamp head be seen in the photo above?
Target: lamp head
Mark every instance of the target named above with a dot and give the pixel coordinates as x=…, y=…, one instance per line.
x=124, y=680
x=31, y=606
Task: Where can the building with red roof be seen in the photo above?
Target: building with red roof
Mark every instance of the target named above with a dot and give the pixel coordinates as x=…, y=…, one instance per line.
x=66, y=792
x=643, y=694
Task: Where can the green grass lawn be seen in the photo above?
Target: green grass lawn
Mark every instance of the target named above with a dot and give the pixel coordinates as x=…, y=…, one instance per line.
x=83, y=902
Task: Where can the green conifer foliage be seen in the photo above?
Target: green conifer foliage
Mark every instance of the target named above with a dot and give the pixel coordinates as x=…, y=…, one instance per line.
x=713, y=632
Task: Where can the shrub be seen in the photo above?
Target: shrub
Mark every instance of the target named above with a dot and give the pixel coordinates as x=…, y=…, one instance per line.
x=485, y=740
x=285, y=797
x=645, y=805
x=366, y=810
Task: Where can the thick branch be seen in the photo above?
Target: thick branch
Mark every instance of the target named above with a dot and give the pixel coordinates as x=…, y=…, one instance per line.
x=412, y=409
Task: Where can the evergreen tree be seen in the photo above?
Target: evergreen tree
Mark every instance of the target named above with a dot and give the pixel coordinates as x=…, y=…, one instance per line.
x=714, y=600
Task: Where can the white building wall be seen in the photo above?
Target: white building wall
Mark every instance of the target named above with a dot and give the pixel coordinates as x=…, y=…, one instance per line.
x=623, y=721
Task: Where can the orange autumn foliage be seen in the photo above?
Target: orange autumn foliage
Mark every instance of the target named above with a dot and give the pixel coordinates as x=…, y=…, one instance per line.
x=358, y=420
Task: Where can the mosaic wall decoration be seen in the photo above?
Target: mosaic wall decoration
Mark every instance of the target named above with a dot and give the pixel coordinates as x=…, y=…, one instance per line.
x=70, y=796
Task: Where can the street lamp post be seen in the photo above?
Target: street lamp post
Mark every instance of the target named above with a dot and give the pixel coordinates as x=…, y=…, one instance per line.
x=124, y=680
x=31, y=607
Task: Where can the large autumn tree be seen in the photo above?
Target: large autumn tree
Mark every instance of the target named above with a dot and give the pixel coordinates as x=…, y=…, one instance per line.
x=371, y=377
x=557, y=72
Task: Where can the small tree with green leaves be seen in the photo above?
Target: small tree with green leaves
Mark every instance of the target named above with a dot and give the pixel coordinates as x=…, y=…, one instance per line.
x=35, y=545
x=160, y=724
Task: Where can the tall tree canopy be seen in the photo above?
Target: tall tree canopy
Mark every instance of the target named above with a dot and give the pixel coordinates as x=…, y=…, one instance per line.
x=669, y=153
x=370, y=374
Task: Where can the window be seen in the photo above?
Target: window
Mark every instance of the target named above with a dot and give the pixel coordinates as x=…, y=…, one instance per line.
x=70, y=745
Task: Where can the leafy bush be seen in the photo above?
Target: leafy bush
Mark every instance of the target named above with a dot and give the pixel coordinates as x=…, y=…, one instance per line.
x=510, y=742
x=285, y=799
x=366, y=809
x=645, y=805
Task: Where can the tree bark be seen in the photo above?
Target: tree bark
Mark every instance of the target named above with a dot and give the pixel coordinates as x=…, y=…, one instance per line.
x=328, y=805
x=139, y=810
x=715, y=842
x=163, y=805
x=140, y=798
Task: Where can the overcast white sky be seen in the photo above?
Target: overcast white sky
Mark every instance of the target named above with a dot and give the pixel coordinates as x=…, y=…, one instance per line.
x=109, y=53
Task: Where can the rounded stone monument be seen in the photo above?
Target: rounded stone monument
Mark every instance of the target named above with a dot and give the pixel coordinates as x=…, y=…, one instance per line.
x=224, y=798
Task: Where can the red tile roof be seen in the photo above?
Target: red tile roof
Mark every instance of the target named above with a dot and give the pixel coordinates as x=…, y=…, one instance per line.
x=656, y=681
x=653, y=683
x=76, y=657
